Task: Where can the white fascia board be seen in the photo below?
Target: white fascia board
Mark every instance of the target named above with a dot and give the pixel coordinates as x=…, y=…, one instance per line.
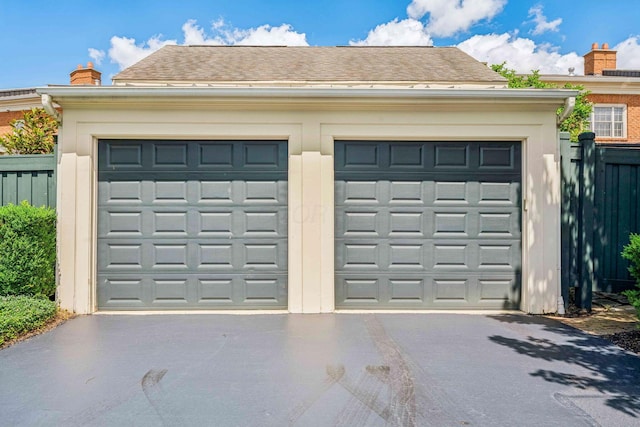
x=601, y=85
x=120, y=94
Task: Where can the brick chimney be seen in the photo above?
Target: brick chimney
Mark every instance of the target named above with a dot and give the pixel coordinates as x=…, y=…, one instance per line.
x=599, y=59
x=86, y=76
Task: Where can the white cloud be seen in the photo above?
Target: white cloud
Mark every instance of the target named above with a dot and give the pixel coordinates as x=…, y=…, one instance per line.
x=408, y=32
x=96, y=55
x=628, y=54
x=284, y=35
x=520, y=54
x=125, y=51
x=195, y=35
x=225, y=34
x=542, y=25
x=448, y=17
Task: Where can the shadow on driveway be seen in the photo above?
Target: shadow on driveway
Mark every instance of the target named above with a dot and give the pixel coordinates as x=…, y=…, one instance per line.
x=612, y=371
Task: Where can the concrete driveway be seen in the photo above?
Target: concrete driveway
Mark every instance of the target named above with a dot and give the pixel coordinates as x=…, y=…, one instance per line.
x=317, y=370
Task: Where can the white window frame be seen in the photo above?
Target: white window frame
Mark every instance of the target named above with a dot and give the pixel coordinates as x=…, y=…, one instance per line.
x=624, y=120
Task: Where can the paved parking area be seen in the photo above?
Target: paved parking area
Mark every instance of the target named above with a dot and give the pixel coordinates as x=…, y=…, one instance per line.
x=318, y=370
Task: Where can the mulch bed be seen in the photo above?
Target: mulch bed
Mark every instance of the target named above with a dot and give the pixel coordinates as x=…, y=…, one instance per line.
x=629, y=340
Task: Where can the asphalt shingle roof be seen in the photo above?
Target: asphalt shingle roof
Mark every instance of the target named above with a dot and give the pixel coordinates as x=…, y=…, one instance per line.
x=243, y=64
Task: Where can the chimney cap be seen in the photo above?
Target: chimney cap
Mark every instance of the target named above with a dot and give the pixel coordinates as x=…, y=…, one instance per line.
x=605, y=45
x=89, y=64
x=595, y=46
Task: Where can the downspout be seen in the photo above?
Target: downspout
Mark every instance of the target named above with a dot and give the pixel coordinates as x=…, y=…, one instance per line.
x=47, y=104
x=569, y=106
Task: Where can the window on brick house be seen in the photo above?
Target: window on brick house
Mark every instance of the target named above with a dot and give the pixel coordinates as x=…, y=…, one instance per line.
x=609, y=121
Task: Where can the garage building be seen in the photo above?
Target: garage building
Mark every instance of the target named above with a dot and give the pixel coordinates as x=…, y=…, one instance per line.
x=308, y=179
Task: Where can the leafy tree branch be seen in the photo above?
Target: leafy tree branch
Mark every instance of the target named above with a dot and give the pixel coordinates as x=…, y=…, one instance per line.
x=578, y=120
x=33, y=134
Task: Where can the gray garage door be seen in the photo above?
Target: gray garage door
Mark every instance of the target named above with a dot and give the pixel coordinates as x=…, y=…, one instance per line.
x=428, y=224
x=192, y=224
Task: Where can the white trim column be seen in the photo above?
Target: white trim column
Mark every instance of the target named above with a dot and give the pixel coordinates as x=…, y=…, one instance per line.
x=311, y=288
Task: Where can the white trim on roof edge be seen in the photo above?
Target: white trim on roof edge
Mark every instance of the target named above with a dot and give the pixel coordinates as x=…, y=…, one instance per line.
x=253, y=92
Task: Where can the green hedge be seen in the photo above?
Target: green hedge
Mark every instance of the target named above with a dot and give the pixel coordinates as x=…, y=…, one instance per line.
x=631, y=252
x=27, y=250
x=20, y=314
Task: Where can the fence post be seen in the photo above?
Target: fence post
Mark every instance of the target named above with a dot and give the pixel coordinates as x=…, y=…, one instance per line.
x=587, y=276
x=567, y=188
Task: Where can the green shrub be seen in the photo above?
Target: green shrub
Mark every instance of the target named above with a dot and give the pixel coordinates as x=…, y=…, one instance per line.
x=27, y=250
x=631, y=252
x=21, y=314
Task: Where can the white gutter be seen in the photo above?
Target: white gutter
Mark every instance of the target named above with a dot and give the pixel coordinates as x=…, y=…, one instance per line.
x=296, y=92
x=47, y=103
x=569, y=105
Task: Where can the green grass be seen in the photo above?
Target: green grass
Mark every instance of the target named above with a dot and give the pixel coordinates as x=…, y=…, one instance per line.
x=22, y=314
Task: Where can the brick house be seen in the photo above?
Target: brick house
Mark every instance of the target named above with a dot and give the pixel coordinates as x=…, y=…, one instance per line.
x=14, y=102
x=615, y=94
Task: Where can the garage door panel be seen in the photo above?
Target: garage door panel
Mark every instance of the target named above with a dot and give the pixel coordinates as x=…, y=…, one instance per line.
x=451, y=192
x=451, y=256
x=406, y=256
x=496, y=290
x=405, y=192
x=169, y=192
x=263, y=256
x=192, y=224
x=127, y=192
x=360, y=192
x=218, y=155
x=441, y=231
x=122, y=291
x=122, y=155
x=171, y=290
x=170, y=155
x=169, y=223
x=407, y=156
x=451, y=290
x=361, y=256
x=409, y=290
x=214, y=224
x=359, y=223
x=216, y=255
x=497, y=157
x=124, y=255
x=360, y=289
x=120, y=222
x=169, y=255
x=215, y=192
x=499, y=225
x=499, y=193
x=449, y=156
x=451, y=224
x=407, y=223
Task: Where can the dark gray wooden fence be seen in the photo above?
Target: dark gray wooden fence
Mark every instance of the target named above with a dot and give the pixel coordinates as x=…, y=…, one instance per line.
x=600, y=207
x=28, y=177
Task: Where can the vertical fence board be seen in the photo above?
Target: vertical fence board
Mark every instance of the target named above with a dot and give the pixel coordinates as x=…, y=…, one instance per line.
x=28, y=177
x=568, y=209
x=51, y=188
x=589, y=265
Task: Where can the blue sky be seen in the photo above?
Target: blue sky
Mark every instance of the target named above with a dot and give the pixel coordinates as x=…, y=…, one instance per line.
x=41, y=42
